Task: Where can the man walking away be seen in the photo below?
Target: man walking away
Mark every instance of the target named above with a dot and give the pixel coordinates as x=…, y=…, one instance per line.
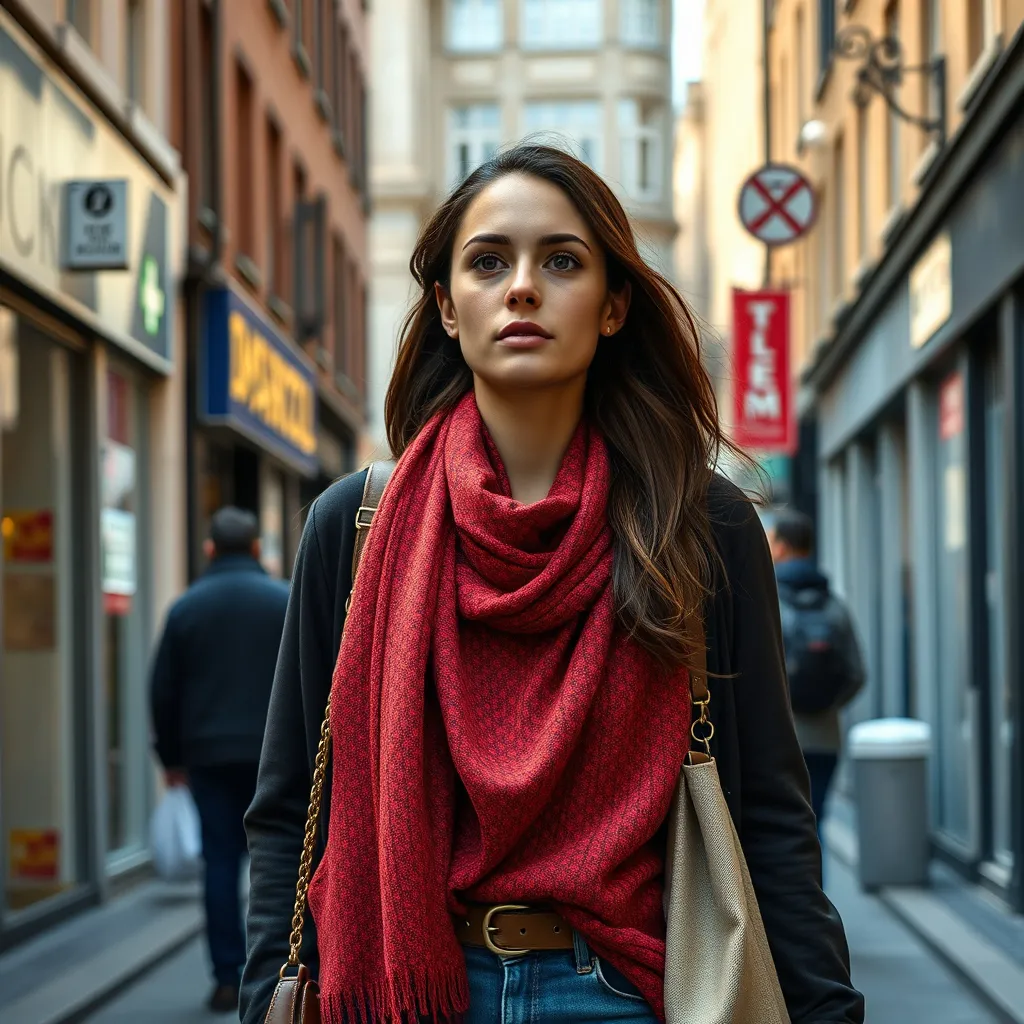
x=210, y=693
x=823, y=659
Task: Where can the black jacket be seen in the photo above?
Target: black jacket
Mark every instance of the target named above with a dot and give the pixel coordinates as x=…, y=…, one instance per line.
x=214, y=668
x=760, y=763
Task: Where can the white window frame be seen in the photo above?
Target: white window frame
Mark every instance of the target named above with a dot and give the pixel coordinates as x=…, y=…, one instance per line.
x=561, y=24
x=636, y=132
x=476, y=129
x=551, y=122
x=642, y=23
x=474, y=26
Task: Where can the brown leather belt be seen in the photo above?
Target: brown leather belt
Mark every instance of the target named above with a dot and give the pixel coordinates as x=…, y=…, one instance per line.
x=511, y=929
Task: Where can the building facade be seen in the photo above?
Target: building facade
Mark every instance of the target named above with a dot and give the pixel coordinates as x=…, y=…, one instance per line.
x=591, y=75
x=268, y=110
x=92, y=377
x=908, y=332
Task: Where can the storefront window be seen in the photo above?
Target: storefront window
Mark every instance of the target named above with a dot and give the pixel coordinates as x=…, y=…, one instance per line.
x=39, y=783
x=272, y=520
x=122, y=514
x=955, y=718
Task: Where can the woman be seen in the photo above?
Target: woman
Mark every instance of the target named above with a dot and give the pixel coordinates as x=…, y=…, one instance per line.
x=509, y=707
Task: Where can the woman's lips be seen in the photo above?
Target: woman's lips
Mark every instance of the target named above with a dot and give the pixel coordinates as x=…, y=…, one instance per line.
x=523, y=334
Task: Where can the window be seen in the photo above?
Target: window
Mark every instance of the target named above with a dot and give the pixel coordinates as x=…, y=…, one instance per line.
x=980, y=28
x=474, y=134
x=135, y=49
x=893, y=156
x=275, y=273
x=839, y=219
x=342, y=361
x=640, y=135
x=931, y=48
x=298, y=195
x=826, y=32
x=561, y=24
x=862, y=183
x=78, y=14
x=207, y=113
x=640, y=22
x=303, y=31
x=576, y=126
x=318, y=42
x=475, y=25
x=340, y=81
x=244, y=190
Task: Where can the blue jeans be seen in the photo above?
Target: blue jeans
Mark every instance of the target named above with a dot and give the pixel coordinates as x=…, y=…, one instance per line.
x=556, y=987
x=222, y=794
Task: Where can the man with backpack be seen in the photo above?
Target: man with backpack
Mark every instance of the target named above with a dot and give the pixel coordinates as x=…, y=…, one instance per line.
x=823, y=658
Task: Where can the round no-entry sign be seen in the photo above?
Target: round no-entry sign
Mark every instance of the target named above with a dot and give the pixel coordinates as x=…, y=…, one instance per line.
x=777, y=204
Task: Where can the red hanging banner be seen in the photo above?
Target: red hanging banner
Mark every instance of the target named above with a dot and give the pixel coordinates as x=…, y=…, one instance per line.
x=763, y=413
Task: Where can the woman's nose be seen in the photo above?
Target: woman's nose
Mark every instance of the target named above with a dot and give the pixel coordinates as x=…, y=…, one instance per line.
x=523, y=290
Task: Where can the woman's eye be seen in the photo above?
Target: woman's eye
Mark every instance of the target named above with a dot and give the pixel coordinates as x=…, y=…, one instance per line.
x=488, y=263
x=563, y=261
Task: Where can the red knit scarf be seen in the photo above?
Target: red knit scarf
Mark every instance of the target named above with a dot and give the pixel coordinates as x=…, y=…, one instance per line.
x=495, y=735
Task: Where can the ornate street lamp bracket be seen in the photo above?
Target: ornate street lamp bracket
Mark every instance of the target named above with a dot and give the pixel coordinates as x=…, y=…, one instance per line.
x=882, y=71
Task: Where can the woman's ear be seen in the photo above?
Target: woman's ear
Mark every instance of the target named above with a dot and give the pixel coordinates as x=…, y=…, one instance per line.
x=616, y=309
x=448, y=316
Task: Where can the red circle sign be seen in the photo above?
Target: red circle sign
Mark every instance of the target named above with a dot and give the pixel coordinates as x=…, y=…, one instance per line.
x=777, y=204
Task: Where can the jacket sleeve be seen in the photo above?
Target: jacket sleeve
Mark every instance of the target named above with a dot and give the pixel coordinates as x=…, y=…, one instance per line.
x=165, y=698
x=275, y=822
x=777, y=828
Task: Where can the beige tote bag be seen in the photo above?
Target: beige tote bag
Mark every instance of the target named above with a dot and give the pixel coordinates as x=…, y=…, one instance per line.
x=718, y=967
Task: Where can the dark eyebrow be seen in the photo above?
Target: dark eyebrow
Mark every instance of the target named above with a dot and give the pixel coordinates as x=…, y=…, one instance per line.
x=559, y=239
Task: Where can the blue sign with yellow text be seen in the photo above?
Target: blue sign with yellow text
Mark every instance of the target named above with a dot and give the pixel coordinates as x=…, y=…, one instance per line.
x=256, y=383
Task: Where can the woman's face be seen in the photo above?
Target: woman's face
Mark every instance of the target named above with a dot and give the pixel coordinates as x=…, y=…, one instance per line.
x=529, y=293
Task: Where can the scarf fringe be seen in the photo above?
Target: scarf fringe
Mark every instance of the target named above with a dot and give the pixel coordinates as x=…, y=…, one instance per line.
x=439, y=994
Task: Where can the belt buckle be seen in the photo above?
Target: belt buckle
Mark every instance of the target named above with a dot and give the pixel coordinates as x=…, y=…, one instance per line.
x=489, y=928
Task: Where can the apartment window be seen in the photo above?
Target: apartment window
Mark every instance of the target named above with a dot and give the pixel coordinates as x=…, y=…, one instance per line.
x=208, y=143
x=298, y=196
x=78, y=14
x=474, y=134
x=342, y=356
x=640, y=22
x=475, y=25
x=303, y=26
x=135, y=49
x=931, y=48
x=561, y=24
x=340, y=81
x=826, y=32
x=275, y=275
x=640, y=135
x=244, y=189
x=894, y=166
x=862, y=183
x=839, y=219
x=980, y=28
x=574, y=125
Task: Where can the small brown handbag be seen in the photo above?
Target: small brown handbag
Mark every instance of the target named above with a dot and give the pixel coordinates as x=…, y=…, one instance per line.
x=296, y=998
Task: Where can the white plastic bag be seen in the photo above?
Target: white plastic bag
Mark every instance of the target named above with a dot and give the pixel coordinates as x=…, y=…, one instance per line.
x=175, y=837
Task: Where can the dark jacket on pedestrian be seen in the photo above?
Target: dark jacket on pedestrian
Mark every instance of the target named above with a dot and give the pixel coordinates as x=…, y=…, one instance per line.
x=821, y=732
x=766, y=789
x=214, y=668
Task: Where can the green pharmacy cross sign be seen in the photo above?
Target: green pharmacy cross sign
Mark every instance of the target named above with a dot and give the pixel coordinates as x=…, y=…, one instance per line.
x=152, y=299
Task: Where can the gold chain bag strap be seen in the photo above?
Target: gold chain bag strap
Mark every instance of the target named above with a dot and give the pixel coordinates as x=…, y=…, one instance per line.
x=296, y=998
x=718, y=967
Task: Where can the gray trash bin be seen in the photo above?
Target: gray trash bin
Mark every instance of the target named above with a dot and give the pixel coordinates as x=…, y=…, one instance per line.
x=890, y=766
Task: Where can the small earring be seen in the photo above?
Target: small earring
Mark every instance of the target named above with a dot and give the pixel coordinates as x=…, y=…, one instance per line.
x=608, y=329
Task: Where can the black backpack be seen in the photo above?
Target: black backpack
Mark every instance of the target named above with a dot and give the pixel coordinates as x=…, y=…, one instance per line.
x=822, y=657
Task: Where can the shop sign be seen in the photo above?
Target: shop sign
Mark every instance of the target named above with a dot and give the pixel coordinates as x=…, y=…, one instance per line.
x=117, y=529
x=76, y=197
x=34, y=854
x=762, y=393
x=97, y=225
x=931, y=291
x=255, y=382
x=28, y=535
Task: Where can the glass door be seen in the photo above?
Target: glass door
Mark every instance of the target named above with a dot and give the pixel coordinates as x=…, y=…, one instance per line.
x=40, y=676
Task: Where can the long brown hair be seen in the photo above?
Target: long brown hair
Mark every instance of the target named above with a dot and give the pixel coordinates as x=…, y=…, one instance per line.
x=647, y=391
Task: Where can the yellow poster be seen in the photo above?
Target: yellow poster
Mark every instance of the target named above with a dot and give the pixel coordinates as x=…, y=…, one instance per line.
x=34, y=854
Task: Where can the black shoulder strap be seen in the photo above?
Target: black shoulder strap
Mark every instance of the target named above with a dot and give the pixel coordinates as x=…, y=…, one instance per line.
x=377, y=476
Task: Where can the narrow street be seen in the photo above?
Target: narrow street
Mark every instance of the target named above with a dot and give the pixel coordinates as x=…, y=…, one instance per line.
x=903, y=981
